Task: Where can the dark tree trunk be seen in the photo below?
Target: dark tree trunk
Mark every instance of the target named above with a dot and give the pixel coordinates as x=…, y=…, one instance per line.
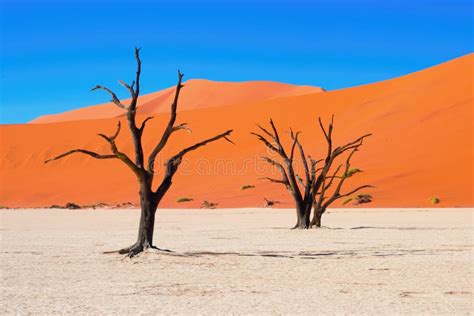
x=303, y=213
x=318, y=214
x=148, y=206
x=149, y=201
x=147, y=218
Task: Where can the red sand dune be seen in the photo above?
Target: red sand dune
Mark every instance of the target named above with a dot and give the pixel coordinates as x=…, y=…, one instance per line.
x=422, y=146
x=198, y=94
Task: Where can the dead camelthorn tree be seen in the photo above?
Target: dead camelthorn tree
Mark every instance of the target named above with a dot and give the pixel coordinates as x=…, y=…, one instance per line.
x=303, y=196
x=313, y=190
x=149, y=198
x=322, y=192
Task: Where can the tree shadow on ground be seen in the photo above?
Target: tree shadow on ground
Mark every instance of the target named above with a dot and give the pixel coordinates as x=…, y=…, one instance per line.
x=330, y=254
x=409, y=228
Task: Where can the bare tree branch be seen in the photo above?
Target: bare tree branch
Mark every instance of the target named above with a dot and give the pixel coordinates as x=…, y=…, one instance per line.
x=118, y=154
x=109, y=139
x=266, y=142
x=82, y=151
x=307, y=172
x=169, y=128
x=275, y=138
x=281, y=181
x=114, y=100
x=182, y=126
x=351, y=145
x=114, y=136
x=301, y=183
x=280, y=168
x=334, y=176
x=142, y=126
x=173, y=163
x=293, y=146
x=131, y=115
x=314, y=163
x=267, y=132
x=129, y=88
x=200, y=144
x=322, y=128
x=275, y=131
x=355, y=190
x=229, y=140
x=137, y=78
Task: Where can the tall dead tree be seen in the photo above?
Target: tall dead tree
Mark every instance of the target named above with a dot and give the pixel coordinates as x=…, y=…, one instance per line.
x=144, y=172
x=313, y=190
x=300, y=190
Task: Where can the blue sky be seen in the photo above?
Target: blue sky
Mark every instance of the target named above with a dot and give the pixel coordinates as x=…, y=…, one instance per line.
x=53, y=52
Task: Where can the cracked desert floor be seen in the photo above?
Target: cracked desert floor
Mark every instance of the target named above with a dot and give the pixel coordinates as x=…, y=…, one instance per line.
x=377, y=261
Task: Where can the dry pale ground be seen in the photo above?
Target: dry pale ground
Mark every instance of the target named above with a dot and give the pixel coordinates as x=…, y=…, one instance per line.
x=239, y=261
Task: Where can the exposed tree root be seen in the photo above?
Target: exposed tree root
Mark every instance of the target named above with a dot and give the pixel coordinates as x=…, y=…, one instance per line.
x=121, y=251
x=135, y=249
x=159, y=249
x=299, y=227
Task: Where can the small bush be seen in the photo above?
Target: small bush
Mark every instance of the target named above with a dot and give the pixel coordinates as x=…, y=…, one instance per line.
x=270, y=203
x=246, y=187
x=363, y=198
x=208, y=205
x=71, y=206
x=435, y=200
x=184, y=199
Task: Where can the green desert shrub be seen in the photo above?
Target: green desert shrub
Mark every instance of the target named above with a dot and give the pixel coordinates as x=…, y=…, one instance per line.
x=246, y=187
x=435, y=200
x=347, y=201
x=183, y=200
x=352, y=172
x=358, y=199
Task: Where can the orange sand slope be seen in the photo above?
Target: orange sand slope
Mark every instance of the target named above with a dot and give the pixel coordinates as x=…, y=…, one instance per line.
x=198, y=94
x=422, y=147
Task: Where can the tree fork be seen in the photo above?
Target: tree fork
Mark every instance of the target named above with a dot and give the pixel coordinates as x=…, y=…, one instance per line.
x=289, y=176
